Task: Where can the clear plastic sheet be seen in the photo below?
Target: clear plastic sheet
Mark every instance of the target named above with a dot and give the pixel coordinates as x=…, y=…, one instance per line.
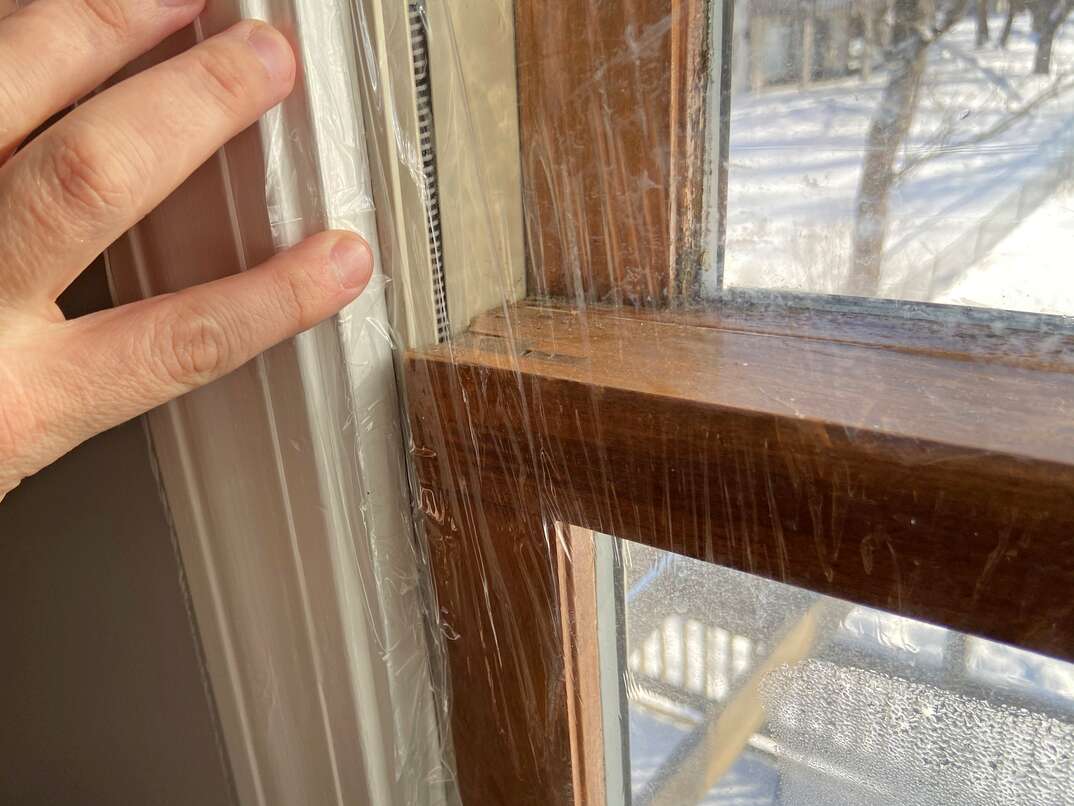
x=708, y=308
x=771, y=285
x=318, y=176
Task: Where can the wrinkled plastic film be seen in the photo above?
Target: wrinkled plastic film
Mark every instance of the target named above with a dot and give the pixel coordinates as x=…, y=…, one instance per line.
x=300, y=142
x=589, y=210
x=317, y=176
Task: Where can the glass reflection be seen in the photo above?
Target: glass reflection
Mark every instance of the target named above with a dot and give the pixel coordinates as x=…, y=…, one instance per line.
x=910, y=149
x=746, y=691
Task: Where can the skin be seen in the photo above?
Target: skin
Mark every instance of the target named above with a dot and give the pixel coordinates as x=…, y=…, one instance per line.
x=69, y=192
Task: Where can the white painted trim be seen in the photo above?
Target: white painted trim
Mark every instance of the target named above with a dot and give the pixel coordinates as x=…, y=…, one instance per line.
x=471, y=47
x=287, y=479
x=478, y=154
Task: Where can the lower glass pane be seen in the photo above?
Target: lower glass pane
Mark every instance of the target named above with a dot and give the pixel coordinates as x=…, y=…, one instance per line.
x=745, y=691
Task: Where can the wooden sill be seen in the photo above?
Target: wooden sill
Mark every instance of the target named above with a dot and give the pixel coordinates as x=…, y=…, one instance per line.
x=938, y=487
x=1034, y=341
x=955, y=402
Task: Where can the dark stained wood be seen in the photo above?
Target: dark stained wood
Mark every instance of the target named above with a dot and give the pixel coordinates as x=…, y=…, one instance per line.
x=494, y=565
x=689, y=83
x=576, y=549
x=937, y=487
x=611, y=106
x=1005, y=413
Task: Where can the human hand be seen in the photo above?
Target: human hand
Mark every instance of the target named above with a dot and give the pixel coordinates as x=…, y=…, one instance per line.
x=80, y=184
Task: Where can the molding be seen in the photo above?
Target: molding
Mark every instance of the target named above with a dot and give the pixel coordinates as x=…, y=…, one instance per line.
x=471, y=57
x=478, y=154
x=287, y=479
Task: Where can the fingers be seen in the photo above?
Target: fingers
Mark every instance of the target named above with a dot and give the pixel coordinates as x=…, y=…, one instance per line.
x=114, y=365
x=98, y=171
x=53, y=52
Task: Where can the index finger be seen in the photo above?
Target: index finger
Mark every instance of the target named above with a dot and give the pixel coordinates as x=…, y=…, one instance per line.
x=87, y=179
x=53, y=52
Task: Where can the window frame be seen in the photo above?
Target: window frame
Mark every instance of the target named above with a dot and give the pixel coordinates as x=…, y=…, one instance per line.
x=554, y=432
x=988, y=559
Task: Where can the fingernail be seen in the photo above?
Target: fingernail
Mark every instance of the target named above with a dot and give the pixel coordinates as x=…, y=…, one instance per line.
x=273, y=51
x=180, y=3
x=352, y=262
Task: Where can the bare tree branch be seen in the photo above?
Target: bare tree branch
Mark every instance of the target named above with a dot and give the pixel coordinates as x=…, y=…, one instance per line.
x=1058, y=87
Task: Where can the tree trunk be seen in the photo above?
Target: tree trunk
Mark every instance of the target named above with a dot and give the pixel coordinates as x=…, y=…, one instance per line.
x=982, y=22
x=1051, y=14
x=809, y=42
x=886, y=134
x=908, y=16
x=888, y=129
x=869, y=36
x=1042, y=62
x=1038, y=12
x=1007, y=23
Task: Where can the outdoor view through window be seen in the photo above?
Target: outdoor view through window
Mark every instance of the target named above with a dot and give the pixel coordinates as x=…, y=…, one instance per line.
x=909, y=149
x=741, y=691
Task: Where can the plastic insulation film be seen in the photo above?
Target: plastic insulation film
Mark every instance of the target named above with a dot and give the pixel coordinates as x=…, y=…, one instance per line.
x=706, y=436
x=696, y=499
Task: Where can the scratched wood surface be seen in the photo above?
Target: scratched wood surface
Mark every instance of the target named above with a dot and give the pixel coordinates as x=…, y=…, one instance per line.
x=611, y=111
x=935, y=487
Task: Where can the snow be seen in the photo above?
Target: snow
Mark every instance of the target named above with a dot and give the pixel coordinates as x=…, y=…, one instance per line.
x=902, y=654
x=987, y=223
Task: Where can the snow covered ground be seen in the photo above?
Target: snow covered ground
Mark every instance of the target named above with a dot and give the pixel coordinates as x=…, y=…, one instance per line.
x=985, y=218
x=903, y=660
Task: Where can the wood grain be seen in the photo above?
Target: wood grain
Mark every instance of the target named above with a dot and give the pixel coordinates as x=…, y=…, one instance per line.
x=936, y=487
x=575, y=552
x=495, y=570
x=689, y=65
x=611, y=106
x=950, y=403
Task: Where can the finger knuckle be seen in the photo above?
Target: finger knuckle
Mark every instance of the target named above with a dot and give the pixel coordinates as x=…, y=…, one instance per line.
x=110, y=15
x=296, y=300
x=223, y=78
x=192, y=348
x=89, y=176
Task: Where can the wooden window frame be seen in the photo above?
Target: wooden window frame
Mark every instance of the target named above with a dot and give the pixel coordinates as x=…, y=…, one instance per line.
x=790, y=441
x=605, y=422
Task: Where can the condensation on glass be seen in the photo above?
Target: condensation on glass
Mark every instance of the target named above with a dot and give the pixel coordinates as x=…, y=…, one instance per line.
x=742, y=690
x=907, y=150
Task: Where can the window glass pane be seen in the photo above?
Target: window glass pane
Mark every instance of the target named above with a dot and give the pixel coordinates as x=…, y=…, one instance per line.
x=741, y=690
x=906, y=149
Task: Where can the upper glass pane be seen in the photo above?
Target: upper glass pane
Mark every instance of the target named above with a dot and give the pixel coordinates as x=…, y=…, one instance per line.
x=910, y=149
x=742, y=691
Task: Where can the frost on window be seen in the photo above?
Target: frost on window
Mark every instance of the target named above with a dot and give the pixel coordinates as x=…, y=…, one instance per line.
x=852, y=737
x=743, y=691
x=909, y=149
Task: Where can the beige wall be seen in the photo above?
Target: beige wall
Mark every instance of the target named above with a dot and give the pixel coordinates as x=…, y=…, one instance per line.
x=102, y=698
